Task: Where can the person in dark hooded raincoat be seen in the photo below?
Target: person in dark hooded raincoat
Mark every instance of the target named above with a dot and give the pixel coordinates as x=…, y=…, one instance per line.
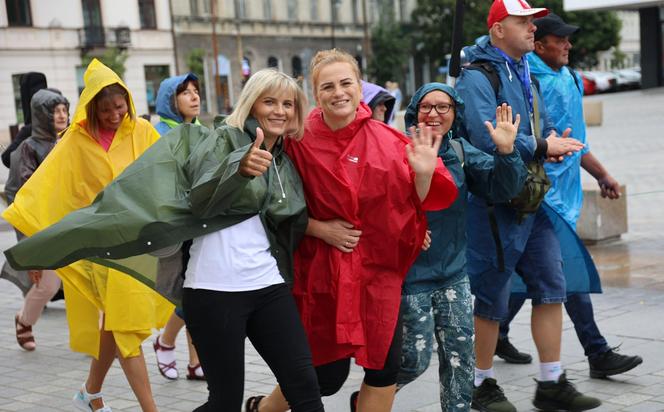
x=379, y=100
x=50, y=116
x=30, y=84
x=436, y=299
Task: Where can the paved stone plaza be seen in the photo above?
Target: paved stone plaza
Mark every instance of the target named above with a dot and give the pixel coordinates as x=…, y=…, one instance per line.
x=630, y=312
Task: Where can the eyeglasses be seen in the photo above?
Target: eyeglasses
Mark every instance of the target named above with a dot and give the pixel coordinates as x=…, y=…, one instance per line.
x=441, y=108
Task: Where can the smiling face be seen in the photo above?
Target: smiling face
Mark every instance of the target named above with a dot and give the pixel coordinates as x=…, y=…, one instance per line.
x=439, y=123
x=274, y=110
x=110, y=111
x=60, y=117
x=338, y=93
x=188, y=102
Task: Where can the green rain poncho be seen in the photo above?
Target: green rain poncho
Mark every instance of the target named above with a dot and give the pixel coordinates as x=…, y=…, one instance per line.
x=186, y=185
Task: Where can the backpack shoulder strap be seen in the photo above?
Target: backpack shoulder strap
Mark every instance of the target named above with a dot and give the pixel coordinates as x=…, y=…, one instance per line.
x=576, y=79
x=534, y=81
x=458, y=149
x=489, y=71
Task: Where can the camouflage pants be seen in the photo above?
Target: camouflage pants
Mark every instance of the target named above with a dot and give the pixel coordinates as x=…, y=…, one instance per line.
x=447, y=314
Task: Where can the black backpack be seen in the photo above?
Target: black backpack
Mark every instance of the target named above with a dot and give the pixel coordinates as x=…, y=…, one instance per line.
x=537, y=183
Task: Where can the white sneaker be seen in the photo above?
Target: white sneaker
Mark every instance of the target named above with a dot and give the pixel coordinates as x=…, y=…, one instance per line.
x=82, y=400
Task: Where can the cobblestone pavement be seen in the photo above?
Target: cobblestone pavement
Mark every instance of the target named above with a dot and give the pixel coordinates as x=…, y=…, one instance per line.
x=629, y=312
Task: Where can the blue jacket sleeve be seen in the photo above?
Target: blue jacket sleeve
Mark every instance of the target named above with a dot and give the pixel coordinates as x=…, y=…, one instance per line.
x=476, y=91
x=496, y=178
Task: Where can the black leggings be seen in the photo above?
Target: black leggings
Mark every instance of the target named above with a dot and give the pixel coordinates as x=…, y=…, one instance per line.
x=331, y=376
x=219, y=322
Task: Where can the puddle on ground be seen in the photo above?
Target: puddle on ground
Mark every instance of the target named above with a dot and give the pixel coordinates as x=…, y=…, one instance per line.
x=631, y=263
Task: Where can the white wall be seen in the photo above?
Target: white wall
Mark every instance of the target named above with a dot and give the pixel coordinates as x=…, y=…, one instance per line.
x=59, y=66
x=60, y=13
x=116, y=13
x=163, y=13
x=571, y=5
x=135, y=74
x=55, y=51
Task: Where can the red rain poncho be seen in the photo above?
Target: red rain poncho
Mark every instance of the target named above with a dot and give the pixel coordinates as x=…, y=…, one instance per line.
x=349, y=302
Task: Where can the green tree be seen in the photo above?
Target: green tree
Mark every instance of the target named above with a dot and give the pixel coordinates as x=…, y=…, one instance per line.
x=390, y=45
x=600, y=30
x=195, y=61
x=113, y=57
x=433, y=21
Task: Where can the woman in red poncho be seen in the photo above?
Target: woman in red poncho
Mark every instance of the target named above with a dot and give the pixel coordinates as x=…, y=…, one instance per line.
x=366, y=187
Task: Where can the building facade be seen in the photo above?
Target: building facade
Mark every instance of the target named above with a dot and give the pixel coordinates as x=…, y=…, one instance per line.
x=651, y=32
x=56, y=37
x=254, y=34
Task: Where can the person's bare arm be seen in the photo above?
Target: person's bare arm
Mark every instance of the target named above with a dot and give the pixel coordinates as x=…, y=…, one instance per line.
x=609, y=186
x=335, y=232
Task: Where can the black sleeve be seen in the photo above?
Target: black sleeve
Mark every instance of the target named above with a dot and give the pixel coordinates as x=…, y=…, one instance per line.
x=22, y=134
x=541, y=148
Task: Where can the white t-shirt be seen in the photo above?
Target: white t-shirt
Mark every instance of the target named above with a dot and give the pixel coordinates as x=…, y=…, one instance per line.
x=234, y=259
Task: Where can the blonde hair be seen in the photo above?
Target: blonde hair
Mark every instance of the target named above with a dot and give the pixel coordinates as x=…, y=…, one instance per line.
x=114, y=89
x=267, y=81
x=326, y=57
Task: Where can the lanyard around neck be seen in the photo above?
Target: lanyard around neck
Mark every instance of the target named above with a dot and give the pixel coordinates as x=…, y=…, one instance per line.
x=523, y=75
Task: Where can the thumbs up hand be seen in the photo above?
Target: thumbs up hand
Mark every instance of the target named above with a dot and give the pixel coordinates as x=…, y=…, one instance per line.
x=256, y=161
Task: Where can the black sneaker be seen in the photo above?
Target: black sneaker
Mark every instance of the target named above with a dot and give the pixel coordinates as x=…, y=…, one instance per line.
x=507, y=352
x=611, y=363
x=489, y=397
x=562, y=395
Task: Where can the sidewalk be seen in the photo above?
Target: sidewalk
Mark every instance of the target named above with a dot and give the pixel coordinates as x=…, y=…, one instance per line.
x=630, y=311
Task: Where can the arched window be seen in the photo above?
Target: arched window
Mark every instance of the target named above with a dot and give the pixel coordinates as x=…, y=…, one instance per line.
x=272, y=62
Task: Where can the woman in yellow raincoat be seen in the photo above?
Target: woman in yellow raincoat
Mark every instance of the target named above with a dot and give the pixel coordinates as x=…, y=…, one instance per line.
x=108, y=312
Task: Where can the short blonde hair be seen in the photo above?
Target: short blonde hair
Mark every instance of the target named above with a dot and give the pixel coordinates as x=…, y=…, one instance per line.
x=111, y=90
x=266, y=81
x=327, y=57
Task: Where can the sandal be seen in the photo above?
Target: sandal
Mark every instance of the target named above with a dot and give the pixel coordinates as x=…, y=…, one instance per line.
x=82, y=400
x=24, y=335
x=195, y=373
x=353, y=401
x=252, y=403
x=167, y=370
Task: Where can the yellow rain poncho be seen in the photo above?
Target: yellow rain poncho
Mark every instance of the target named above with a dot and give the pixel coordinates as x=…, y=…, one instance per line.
x=71, y=176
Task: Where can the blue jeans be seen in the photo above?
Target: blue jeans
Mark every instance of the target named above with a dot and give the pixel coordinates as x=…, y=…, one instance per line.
x=579, y=307
x=540, y=267
x=447, y=314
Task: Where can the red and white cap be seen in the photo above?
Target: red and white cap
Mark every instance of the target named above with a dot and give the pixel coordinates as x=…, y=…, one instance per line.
x=503, y=8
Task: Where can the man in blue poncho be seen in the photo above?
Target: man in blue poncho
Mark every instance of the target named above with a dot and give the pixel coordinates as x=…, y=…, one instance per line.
x=530, y=246
x=562, y=91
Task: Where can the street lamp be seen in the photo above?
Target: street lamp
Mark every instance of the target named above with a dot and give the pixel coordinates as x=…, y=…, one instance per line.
x=334, y=6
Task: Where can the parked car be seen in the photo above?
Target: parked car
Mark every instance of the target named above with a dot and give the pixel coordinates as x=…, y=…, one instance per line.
x=589, y=86
x=628, y=78
x=604, y=81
